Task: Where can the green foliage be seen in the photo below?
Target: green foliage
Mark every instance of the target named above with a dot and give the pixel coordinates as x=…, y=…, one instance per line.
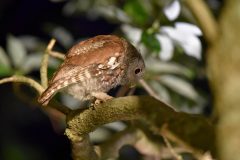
x=136, y=12
x=5, y=71
x=16, y=51
x=4, y=61
x=5, y=67
x=150, y=41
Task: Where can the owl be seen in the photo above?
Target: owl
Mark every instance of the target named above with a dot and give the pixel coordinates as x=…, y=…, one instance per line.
x=93, y=67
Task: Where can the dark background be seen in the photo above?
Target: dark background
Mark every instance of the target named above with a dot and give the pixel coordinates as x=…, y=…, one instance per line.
x=26, y=132
x=27, y=17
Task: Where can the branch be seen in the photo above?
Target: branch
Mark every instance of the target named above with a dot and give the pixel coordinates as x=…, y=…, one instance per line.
x=44, y=64
x=37, y=87
x=24, y=79
x=206, y=20
x=187, y=127
x=57, y=55
x=149, y=90
x=172, y=151
x=166, y=133
x=82, y=149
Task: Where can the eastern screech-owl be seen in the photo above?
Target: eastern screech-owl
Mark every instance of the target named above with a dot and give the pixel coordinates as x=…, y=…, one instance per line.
x=94, y=66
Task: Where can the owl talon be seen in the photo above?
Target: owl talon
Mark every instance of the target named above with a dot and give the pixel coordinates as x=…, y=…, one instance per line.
x=101, y=97
x=97, y=102
x=92, y=106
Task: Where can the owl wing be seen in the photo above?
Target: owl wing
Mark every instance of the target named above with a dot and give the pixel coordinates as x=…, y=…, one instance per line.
x=106, y=74
x=97, y=50
x=61, y=83
x=91, y=44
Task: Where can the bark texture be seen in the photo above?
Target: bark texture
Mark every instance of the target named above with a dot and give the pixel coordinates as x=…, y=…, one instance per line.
x=224, y=75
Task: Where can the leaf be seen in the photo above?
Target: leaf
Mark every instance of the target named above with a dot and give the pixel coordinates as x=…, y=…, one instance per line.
x=180, y=86
x=4, y=60
x=172, y=10
x=99, y=135
x=31, y=42
x=185, y=36
x=188, y=28
x=116, y=126
x=5, y=71
x=33, y=62
x=136, y=11
x=63, y=36
x=162, y=92
x=133, y=34
x=168, y=67
x=151, y=41
x=167, y=47
x=16, y=51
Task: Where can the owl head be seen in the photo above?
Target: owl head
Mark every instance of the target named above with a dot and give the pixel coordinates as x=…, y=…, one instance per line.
x=135, y=66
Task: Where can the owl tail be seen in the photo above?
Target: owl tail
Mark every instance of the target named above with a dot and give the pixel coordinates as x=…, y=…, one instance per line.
x=53, y=88
x=47, y=95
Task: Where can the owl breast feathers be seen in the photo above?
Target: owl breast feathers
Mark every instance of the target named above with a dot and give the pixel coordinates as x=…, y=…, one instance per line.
x=95, y=66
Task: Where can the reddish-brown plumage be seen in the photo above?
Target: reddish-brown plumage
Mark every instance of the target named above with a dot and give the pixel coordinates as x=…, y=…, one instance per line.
x=95, y=66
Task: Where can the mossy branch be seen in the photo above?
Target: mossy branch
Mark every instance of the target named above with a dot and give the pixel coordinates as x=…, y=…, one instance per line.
x=185, y=126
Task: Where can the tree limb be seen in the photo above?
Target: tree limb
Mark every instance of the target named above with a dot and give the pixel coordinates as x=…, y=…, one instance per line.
x=224, y=76
x=187, y=127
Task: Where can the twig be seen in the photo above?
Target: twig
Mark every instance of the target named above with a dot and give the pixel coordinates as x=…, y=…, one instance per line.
x=150, y=91
x=24, y=79
x=168, y=144
x=57, y=55
x=206, y=156
x=44, y=64
x=206, y=20
x=37, y=86
x=166, y=133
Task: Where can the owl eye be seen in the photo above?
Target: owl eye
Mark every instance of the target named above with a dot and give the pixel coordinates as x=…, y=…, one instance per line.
x=138, y=70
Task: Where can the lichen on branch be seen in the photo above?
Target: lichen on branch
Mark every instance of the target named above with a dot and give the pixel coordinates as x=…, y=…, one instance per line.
x=155, y=113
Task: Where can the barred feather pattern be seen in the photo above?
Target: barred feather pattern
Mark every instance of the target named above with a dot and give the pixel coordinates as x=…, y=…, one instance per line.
x=58, y=85
x=82, y=83
x=93, y=66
